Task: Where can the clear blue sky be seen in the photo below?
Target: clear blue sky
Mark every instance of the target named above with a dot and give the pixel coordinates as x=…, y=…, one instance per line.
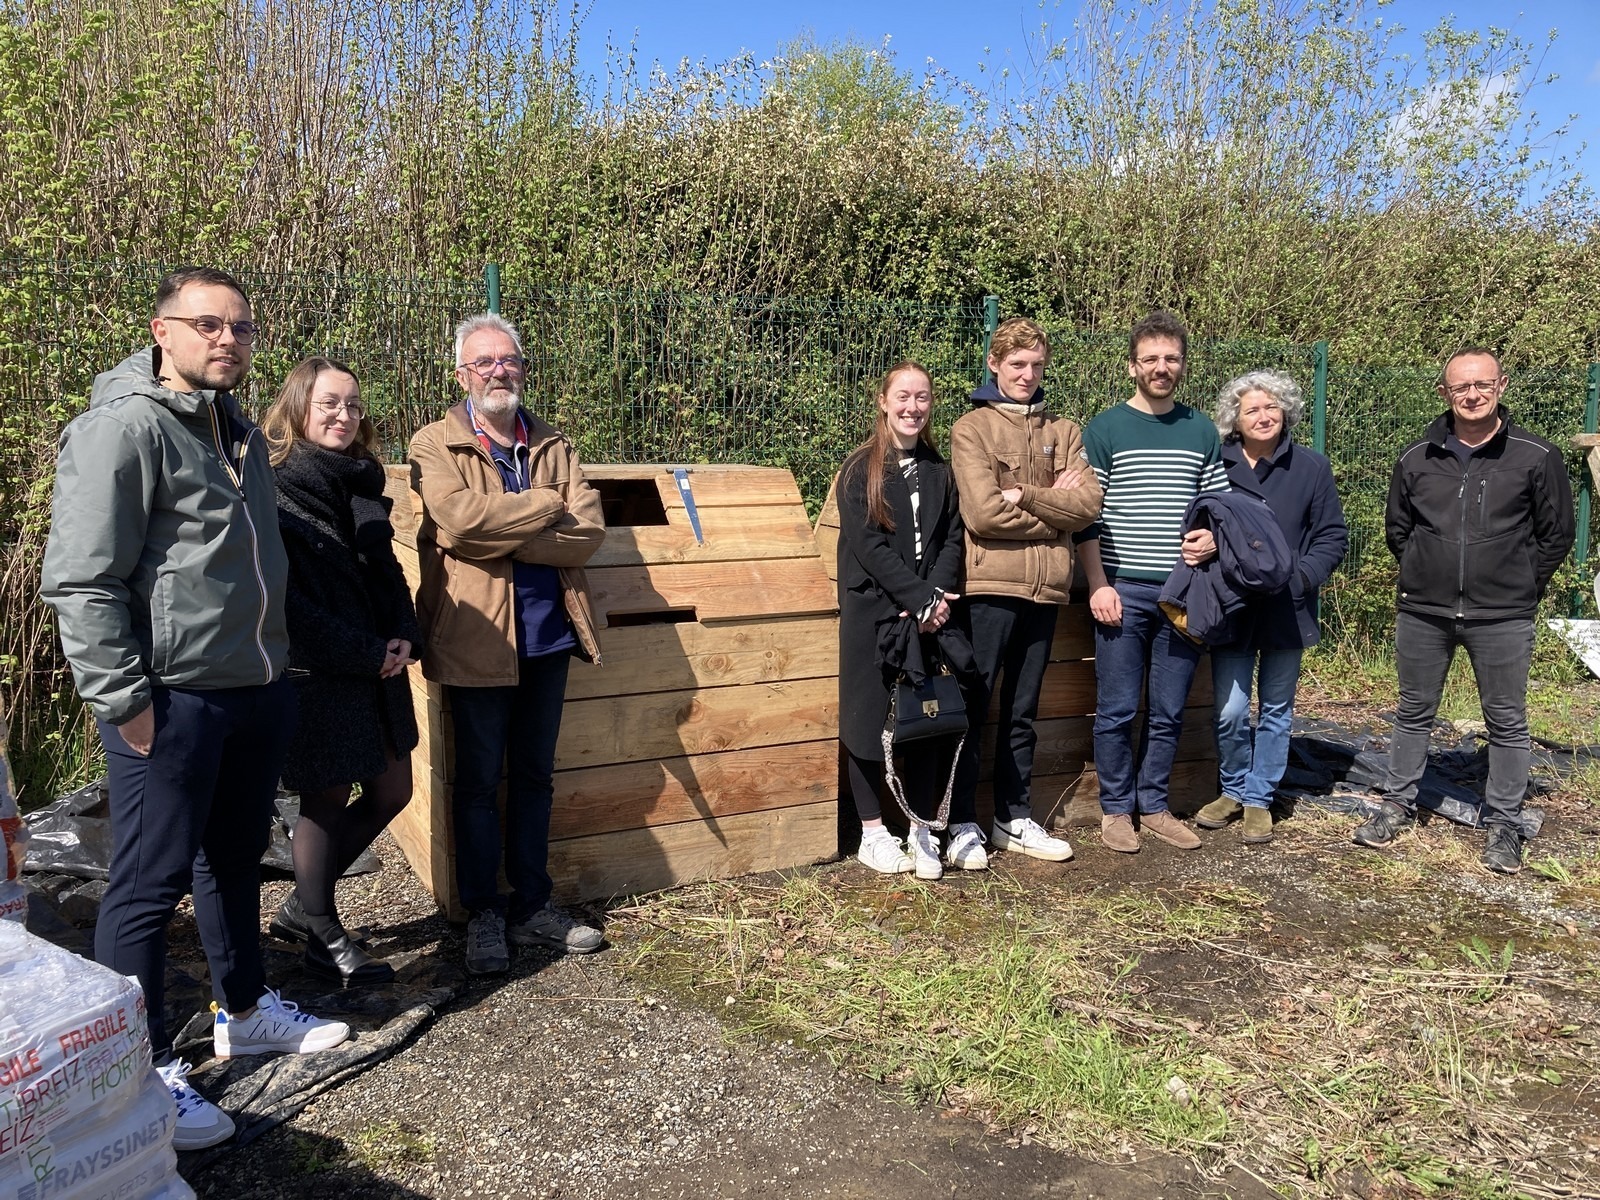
x=961, y=34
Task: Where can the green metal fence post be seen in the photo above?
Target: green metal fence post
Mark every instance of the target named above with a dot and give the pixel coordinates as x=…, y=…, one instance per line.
x=991, y=322
x=1319, y=397
x=1591, y=419
x=491, y=285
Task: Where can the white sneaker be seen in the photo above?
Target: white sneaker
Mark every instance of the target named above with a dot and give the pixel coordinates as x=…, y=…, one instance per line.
x=924, y=852
x=277, y=1024
x=882, y=851
x=966, y=848
x=200, y=1122
x=1027, y=836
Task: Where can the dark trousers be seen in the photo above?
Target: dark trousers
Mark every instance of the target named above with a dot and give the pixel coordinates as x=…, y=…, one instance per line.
x=1011, y=642
x=923, y=770
x=1500, y=652
x=1144, y=654
x=514, y=728
x=195, y=813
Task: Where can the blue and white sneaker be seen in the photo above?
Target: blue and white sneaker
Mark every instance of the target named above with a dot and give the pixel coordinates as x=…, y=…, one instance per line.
x=200, y=1122
x=276, y=1025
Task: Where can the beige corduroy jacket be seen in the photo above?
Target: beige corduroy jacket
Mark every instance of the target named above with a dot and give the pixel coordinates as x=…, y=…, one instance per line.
x=472, y=530
x=1022, y=549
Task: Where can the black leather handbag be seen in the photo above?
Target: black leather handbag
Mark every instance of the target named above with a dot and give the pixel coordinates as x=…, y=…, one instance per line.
x=936, y=709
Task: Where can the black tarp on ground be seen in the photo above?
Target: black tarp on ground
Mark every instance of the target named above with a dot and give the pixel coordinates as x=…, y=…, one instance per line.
x=67, y=865
x=1337, y=767
x=72, y=836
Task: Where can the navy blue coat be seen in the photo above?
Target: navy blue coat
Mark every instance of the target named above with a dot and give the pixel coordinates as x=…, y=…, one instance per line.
x=1297, y=484
x=1252, y=558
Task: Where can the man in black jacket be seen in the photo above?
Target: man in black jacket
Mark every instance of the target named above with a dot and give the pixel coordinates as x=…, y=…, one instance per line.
x=1479, y=516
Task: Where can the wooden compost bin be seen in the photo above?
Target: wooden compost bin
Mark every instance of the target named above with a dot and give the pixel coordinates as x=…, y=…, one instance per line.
x=1066, y=791
x=705, y=746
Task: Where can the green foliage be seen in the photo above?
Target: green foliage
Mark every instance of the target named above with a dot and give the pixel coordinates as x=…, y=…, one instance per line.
x=1276, y=173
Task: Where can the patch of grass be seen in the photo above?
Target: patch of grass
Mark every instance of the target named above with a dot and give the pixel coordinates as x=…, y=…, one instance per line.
x=310, y=1155
x=1028, y=1009
x=1564, y=712
x=1583, y=784
x=389, y=1143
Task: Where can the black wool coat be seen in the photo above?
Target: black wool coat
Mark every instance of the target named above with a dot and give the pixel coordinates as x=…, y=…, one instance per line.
x=880, y=576
x=347, y=597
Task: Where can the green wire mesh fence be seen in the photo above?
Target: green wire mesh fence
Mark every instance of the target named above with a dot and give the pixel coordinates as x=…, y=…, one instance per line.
x=631, y=376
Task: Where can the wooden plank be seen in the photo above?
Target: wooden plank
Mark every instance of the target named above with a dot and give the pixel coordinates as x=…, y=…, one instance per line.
x=730, y=534
x=715, y=485
x=1068, y=689
x=1065, y=743
x=1074, y=633
x=407, y=508
x=640, y=860
x=658, y=658
x=617, y=729
x=672, y=790
x=420, y=831
x=826, y=531
x=721, y=591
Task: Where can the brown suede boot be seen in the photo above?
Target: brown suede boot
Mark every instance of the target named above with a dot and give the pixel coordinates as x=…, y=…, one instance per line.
x=1218, y=813
x=1257, y=825
x=1117, y=833
x=1169, y=829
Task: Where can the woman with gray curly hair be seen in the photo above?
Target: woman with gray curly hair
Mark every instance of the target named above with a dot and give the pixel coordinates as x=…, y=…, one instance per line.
x=1255, y=413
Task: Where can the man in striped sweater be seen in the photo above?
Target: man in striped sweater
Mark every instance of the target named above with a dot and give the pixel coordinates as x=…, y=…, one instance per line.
x=1152, y=457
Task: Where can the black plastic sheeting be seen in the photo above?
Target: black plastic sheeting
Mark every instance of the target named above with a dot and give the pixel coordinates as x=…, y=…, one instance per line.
x=1338, y=768
x=72, y=836
x=65, y=872
x=261, y=1092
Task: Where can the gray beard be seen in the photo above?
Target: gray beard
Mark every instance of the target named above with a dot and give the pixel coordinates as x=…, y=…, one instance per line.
x=497, y=403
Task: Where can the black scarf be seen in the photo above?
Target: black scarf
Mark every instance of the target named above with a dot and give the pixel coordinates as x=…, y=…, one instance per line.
x=340, y=494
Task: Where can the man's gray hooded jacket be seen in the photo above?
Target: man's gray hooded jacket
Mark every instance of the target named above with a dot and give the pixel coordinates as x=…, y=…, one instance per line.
x=164, y=562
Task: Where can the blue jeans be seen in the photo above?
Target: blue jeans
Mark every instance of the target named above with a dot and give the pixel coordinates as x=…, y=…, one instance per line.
x=193, y=816
x=1251, y=775
x=1145, y=653
x=1501, y=652
x=515, y=728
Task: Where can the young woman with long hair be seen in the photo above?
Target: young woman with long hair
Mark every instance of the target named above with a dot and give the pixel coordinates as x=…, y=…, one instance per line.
x=352, y=633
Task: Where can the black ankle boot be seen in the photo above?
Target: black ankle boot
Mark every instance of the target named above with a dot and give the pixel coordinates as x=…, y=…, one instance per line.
x=332, y=953
x=291, y=923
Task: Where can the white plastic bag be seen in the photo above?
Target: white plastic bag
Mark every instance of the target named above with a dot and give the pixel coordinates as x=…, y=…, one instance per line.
x=73, y=1040
x=113, y=1153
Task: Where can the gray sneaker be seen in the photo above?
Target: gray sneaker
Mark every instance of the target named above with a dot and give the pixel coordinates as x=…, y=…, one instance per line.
x=554, y=929
x=1503, y=850
x=486, y=944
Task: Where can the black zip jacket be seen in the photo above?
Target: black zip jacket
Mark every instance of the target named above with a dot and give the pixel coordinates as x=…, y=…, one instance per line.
x=1481, y=541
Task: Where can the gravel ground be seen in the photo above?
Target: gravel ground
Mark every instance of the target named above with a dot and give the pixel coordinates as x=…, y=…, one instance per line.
x=560, y=1080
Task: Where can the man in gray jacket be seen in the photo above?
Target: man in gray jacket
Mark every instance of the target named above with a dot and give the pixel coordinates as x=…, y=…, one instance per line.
x=167, y=575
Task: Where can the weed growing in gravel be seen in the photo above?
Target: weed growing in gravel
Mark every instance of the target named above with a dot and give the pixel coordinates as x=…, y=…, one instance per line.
x=388, y=1143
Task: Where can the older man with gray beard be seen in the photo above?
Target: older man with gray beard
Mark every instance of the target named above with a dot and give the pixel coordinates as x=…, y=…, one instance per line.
x=508, y=522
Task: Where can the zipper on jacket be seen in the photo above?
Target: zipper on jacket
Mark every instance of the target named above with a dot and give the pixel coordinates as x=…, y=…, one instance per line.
x=1461, y=547
x=255, y=537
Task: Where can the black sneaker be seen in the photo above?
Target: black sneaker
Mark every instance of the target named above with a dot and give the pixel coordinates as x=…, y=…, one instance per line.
x=1383, y=826
x=1503, y=853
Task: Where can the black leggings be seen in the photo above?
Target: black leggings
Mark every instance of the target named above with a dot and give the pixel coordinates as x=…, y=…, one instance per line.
x=924, y=771
x=332, y=832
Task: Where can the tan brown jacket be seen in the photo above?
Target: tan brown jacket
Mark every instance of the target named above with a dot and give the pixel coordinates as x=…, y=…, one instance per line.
x=1022, y=549
x=472, y=529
